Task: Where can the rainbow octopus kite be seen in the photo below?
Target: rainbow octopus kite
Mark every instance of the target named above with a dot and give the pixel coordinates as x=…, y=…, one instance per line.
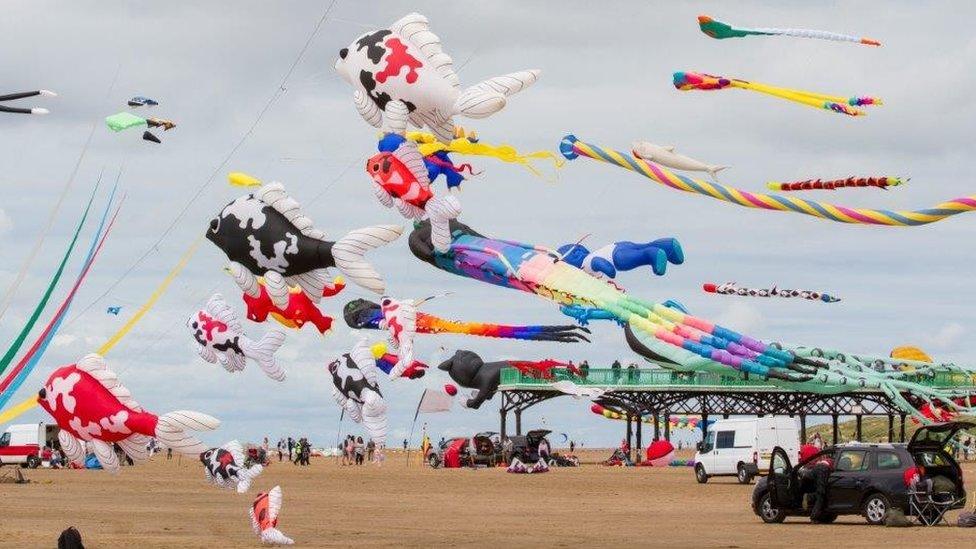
x=674, y=339
x=720, y=30
x=572, y=148
x=820, y=185
x=685, y=81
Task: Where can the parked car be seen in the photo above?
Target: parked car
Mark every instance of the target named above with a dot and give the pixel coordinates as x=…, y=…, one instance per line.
x=486, y=449
x=526, y=447
x=446, y=450
x=864, y=479
x=27, y=445
x=736, y=447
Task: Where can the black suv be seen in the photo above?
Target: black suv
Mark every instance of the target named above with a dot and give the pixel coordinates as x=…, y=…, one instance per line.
x=859, y=479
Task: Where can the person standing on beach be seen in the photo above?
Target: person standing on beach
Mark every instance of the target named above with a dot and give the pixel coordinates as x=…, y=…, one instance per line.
x=291, y=446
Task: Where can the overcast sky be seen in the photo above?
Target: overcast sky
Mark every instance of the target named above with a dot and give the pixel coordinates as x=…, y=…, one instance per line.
x=606, y=76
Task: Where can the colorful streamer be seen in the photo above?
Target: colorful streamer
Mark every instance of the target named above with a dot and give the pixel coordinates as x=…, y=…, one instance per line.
x=29, y=325
x=721, y=30
x=882, y=183
x=685, y=81
x=572, y=148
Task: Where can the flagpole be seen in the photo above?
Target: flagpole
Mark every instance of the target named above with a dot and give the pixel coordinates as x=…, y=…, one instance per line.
x=338, y=434
x=413, y=425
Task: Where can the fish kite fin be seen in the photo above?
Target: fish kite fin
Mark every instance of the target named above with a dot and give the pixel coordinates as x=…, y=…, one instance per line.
x=263, y=352
x=170, y=430
x=349, y=253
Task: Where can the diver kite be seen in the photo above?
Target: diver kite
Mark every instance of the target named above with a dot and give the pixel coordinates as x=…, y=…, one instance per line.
x=92, y=407
x=667, y=335
x=267, y=235
x=820, y=185
x=224, y=467
x=264, y=517
x=401, y=74
x=624, y=256
x=729, y=288
x=572, y=148
x=720, y=30
x=362, y=314
x=666, y=156
x=126, y=120
x=355, y=389
x=218, y=332
x=685, y=81
x=22, y=95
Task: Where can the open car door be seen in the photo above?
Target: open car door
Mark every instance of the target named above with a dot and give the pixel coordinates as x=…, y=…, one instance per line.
x=783, y=484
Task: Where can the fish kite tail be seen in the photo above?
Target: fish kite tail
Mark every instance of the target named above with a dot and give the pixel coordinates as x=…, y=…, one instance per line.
x=263, y=351
x=171, y=427
x=247, y=475
x=349, y=253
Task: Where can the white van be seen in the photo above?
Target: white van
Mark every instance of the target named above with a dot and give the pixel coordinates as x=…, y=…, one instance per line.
x=24, y=444
x=736, y=447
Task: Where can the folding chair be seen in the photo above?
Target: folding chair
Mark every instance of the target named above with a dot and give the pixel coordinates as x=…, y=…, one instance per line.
x=928, y=506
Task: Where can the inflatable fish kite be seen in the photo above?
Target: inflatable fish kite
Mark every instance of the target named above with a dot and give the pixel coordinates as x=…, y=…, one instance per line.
x=355, y=389
x=267, y=234
x=818, y=184
x=729, y=288
x=667, y=157
x=624, y=256
x=362, y=314
x=220, y=336
x=224, y=467
x=299, y=311
x=402, y=74
x=720, y=30
x=91, y=406
x=264, y=517
x=685, y=81
x=22, y=95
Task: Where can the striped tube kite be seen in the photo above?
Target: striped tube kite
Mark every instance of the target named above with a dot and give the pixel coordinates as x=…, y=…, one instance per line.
x=730, y=288
x=23, y=95
x=882, y=183
x=674, y=339
x=721, y=30
x=572, y=148
x=685, y=81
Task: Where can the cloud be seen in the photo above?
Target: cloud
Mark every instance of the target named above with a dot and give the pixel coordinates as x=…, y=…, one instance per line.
x=945, y=337
x=64, y=340
x=742, y=316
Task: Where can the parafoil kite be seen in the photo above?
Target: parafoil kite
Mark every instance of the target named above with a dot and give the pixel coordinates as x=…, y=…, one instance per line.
x=355, y=389
x=22, y=95
x=402, y=74
x=720, y=30
x=818, y=184
x=362, y=314
x=264, y=517
x=218, y=331
x=224, y=467
x=267, y=234
x=845, y=105
x=666, y=156
x=730, y=288
x=126, y=120
x=910, y=353
x=299, y=311
x=90, y=405
x=624, y=256
x=140, y=101
x=666, y=334
x=572, y=148
x=113, y=310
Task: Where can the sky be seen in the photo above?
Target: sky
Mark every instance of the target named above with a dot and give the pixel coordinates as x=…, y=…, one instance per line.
x=216, y=67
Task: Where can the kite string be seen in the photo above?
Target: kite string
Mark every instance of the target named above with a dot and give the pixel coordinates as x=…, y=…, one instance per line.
x=279, y=91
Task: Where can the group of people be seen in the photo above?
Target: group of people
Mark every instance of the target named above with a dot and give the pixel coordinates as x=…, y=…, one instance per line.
x=633, y=371
x=299, y=451
x=356, y=452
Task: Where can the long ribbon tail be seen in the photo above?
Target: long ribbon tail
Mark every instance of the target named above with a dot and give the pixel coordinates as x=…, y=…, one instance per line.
x=431, y=324
x=29, y=325
x=29, y=361
x=572, y=148
x=28, y=404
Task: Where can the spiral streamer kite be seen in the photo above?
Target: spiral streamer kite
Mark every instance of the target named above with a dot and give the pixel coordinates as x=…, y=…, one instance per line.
x=820, y=185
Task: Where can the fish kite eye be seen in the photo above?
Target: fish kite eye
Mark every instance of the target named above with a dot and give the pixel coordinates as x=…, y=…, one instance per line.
x=42, y=393
x=214, y=224
x=343, y=53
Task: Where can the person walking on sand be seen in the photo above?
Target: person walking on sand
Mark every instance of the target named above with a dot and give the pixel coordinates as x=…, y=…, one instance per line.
x=370, y=449
x=281, y=449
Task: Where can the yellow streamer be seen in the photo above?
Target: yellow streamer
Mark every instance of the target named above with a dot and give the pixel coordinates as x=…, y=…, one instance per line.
x=15, y=411
x=428, y=145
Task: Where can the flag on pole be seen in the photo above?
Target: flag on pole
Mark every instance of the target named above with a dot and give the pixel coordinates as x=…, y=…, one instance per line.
x=433, y=402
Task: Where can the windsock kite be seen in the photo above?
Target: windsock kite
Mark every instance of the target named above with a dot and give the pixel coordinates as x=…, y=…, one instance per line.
x=722, y=30
x=882, y=183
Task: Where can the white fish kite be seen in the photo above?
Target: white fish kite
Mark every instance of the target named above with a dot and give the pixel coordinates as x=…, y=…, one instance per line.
x=666, y=156
x=402, y=74
x=218, y=331
x=720, y=30
x=729, y=288
x=224, y=467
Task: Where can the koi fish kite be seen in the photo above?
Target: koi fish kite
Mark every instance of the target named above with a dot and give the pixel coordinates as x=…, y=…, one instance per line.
x=91, y=406
x=355, y=389
x=300, y=309
x=224, y=467
x=729, y=288
x=818, y=184
x=401, y=74
x=264, y=517
x=720, y=30
x=685, y=81
x=265, y=234
x=218, y=331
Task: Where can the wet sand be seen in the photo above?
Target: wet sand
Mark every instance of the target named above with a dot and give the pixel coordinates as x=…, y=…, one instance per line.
x=167, y=504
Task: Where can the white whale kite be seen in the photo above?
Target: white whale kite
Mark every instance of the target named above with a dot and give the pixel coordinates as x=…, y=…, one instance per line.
x=667, y=157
